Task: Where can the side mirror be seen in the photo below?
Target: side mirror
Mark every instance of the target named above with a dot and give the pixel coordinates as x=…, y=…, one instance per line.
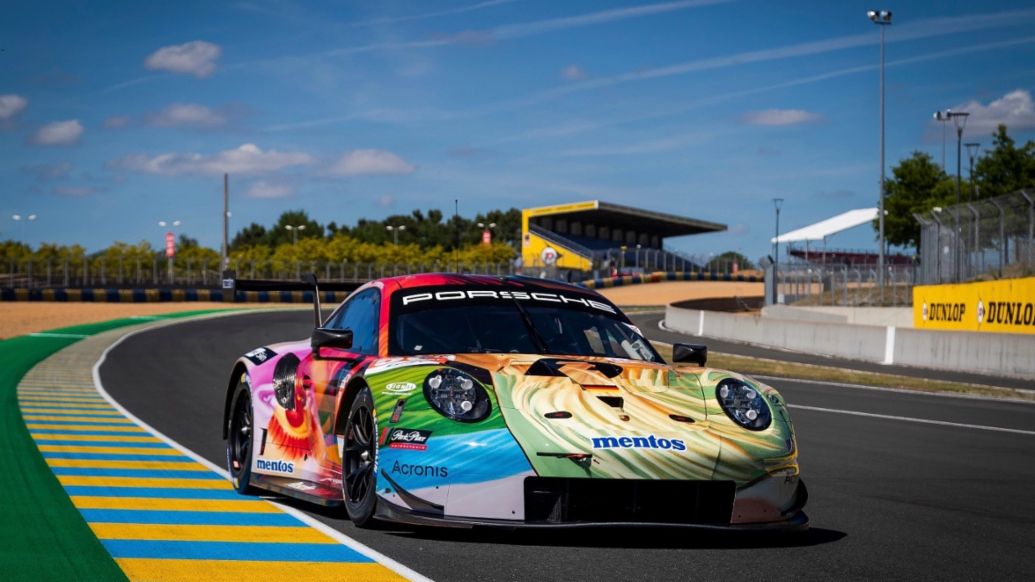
x=690, y=353
x=339, y=339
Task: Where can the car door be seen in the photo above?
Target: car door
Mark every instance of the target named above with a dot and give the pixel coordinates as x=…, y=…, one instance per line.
x=327, y=376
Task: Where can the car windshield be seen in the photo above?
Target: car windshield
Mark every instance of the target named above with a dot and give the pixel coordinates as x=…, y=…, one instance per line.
x=512, y=326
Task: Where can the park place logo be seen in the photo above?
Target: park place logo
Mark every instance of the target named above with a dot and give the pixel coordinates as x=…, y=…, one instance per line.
x=923, y=312
x=981, y=311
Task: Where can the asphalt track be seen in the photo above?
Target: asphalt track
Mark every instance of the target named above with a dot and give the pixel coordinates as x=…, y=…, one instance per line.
x=889, y=498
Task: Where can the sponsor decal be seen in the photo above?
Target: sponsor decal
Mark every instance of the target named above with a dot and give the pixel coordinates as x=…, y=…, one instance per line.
x=275, y=466
x=407, y=438
x=400, y=387
x=1011, y=313
x=638, y=442
x=980, y=311
x=260, y=355
x=398, y=411
x=419, y=470
x=460, y=295
x=945, y=311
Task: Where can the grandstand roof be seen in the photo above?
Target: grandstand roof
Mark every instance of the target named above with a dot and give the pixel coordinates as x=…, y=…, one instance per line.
x=627, y=217
x=833, y=225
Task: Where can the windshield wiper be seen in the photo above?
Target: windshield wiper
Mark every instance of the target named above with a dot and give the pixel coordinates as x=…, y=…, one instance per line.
x=540, y=343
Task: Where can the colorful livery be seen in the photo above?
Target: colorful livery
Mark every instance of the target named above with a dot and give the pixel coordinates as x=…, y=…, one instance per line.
x=465, y=400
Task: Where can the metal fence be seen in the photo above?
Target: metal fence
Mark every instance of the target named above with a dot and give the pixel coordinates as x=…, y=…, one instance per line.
x=98, y=272
x=994, y=237
x=855, y=285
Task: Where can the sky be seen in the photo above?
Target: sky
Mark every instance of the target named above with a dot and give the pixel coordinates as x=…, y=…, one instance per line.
x=115, y=115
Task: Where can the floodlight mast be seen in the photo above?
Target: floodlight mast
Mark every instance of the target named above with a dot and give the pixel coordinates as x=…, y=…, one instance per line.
x=881, y=18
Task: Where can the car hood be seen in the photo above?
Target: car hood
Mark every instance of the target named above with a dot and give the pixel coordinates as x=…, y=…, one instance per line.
x=616, y=418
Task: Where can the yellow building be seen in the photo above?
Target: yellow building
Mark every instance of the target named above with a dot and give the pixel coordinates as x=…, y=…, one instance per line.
x=593, y=235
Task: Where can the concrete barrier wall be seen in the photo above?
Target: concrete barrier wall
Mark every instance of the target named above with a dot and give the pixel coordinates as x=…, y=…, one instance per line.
x=896, y=316
x=983, y=353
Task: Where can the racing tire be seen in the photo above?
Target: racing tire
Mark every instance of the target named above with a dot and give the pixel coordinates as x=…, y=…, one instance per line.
x=240, y=440
x=359, y=461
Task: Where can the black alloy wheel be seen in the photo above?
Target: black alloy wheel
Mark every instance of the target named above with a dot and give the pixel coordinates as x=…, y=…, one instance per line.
x=239, y=441
x=358, y=460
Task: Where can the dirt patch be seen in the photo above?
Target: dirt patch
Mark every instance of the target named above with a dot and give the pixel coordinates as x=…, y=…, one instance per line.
x=22, y=317
x=672, y=291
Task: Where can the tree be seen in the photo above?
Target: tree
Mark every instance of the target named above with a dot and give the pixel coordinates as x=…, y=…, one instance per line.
x=720, y=262
x=280, y=234
x=917, y=185
x=250, y=236
x=1006, y=168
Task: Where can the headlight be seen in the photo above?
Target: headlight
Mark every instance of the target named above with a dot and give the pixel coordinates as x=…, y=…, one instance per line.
x=456, y=395
x=744, y=404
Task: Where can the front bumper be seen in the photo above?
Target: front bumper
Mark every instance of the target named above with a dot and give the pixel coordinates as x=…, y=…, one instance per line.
x=791, y=520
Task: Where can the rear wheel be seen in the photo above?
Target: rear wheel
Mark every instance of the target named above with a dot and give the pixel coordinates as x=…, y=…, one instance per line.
x=240, y=437
x=358, y=460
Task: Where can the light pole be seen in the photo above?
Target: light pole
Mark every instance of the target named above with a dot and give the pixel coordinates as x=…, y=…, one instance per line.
x=394, y=229
x=294, y=228
x=23, y=220
x=882, y=18
x=959, y=119
x=777, y=203
x=169, y=252
x=490, y=227
x=972, y=152
x=942, y=117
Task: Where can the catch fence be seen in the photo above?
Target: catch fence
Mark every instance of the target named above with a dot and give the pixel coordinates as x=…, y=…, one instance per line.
x=983, y=239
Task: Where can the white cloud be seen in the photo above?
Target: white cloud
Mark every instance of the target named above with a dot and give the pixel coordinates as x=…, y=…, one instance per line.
x=780, y=117
x=1016, y=110
x=385, y=200
x=49, y=171
x=533, y=28
x=264, y=189
x=74, y=190
x=573, y=73
x=196, y=58
x=370, y=162
x=187, y=114
x=59, y=133
x=117, y=121
x=11, y=105
x=246, y=159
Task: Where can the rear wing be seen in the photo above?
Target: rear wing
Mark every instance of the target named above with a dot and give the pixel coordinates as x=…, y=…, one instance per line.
x=308, y=283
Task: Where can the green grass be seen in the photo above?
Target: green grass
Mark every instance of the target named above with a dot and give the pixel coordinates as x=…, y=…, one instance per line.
x=42, y=535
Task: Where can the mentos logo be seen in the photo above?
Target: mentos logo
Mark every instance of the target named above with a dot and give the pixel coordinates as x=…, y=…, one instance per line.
x=276, y=466
x=639, y=442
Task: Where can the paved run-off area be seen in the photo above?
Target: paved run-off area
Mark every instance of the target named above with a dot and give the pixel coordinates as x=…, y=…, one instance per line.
x=91, y=494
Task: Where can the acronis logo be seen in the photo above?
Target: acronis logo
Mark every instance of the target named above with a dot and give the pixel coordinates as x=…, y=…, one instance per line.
x=275, y=466
x=638, y=442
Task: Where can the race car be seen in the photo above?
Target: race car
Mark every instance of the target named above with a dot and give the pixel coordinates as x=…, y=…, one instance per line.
x=468, y=400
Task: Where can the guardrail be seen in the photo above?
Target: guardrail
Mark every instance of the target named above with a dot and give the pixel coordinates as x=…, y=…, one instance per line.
x=995, y=354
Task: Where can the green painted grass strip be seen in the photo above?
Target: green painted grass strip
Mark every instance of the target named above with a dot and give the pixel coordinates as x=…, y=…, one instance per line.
x=42, y=535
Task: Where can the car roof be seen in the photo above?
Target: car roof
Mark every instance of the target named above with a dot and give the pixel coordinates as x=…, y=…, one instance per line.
x=466, y=280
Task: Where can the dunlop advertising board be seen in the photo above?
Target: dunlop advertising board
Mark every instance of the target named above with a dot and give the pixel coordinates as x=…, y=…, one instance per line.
x=998, y=306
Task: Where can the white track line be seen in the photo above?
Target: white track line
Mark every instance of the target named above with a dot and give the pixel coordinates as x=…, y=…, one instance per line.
x=314, y=523
x=917, y=420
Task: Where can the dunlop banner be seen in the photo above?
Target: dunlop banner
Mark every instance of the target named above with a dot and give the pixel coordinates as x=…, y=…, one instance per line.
x=1001, y=306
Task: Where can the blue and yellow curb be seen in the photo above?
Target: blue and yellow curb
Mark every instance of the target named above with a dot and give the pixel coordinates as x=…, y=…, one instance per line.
x=161, y=514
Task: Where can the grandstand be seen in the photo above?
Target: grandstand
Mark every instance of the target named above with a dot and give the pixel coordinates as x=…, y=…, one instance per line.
x=594, y=238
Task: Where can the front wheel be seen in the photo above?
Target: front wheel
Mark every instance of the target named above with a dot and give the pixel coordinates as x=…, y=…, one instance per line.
x=358, y=460
x=240, y=436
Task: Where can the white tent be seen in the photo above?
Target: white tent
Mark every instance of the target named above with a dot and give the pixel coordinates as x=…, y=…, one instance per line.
x=824, y=228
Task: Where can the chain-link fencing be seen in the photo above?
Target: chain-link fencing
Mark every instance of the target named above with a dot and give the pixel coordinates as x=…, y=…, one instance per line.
x=983, y=239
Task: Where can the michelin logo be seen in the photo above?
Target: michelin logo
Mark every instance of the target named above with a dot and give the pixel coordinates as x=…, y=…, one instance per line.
x=275, y=466
x=647, y=442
